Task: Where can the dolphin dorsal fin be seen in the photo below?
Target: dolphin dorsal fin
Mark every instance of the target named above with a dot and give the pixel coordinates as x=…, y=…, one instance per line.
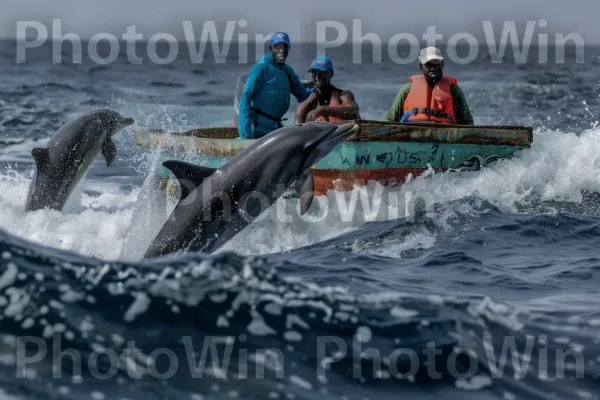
x=188, y=175
x=305, y=189
x=41, y=156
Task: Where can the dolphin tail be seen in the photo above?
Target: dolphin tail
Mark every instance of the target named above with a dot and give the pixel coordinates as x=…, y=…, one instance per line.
x=109, y=151
x=188, y=175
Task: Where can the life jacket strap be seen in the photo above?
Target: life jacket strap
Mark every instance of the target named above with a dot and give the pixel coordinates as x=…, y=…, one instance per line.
x=426, y=111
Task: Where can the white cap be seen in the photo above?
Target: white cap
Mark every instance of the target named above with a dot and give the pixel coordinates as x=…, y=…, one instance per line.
x=430, y=53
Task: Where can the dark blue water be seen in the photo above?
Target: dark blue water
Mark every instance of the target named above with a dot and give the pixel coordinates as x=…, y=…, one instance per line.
x=490, y=292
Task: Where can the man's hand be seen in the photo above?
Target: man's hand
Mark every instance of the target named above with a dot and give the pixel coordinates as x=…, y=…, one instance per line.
x=314, y=114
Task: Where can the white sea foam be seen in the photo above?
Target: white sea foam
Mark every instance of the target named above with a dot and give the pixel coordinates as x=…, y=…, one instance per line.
x=557, y=167
x=121, y=225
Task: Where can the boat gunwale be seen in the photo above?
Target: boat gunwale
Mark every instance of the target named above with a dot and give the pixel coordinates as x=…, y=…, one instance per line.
x=200, y=132
x=204, y=140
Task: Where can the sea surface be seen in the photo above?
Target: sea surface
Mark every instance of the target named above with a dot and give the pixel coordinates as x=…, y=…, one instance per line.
x=492, y=291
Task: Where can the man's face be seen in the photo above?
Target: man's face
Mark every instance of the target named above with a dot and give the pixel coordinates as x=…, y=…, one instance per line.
x=280, y=52
x=433, y=71
x=321, y=78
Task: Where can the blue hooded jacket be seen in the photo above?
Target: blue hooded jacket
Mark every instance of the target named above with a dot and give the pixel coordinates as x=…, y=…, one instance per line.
x=268, y=90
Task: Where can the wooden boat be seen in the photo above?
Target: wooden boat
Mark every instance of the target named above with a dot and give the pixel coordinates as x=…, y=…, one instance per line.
x=387, y=152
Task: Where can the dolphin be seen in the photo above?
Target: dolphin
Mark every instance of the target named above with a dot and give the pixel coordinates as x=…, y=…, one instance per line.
x=216, y=204
x=70, y=152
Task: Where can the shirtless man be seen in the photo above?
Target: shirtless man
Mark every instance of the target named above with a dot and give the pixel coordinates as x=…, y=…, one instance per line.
x=326, y=102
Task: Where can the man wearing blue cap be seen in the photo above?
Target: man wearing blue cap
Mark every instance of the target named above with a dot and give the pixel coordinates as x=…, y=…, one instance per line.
x=266, y=96
x=326, y=102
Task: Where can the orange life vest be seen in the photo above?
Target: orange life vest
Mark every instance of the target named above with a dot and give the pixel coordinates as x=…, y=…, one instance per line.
x=333, y=102
x=426, y=104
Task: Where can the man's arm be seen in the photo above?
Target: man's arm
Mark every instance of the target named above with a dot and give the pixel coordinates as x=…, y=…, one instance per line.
x=253, y=84
x=296, y=87
x=461, y=108
x=348, y=111
x=304, y=108
x=395, y=112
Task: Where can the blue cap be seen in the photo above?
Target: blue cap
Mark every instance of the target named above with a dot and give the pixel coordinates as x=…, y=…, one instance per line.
x=322, y=63
x=280, y=37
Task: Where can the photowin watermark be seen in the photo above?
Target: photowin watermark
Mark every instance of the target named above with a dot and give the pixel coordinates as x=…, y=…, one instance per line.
x=213, y=357
x=369, y=199
x=230, y=41
x=196, y=42
x=509, y=358
x=227, y=357
x=497, y=42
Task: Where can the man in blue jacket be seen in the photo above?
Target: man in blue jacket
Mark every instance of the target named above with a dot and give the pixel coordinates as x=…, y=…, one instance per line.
x=266, y=96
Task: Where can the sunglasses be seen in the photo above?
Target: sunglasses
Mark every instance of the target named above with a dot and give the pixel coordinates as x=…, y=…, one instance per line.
x=433, y=64
x=281, y=46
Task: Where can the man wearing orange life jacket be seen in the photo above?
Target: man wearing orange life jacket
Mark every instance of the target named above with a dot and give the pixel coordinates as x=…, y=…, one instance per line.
x=431, y=96
x=326, y=102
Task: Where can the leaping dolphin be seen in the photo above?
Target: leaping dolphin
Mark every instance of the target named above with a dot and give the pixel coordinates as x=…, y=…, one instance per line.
x=70, y=152
x=208, y=213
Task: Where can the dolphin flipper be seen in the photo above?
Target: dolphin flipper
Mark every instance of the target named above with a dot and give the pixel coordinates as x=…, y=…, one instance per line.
x=306, y=191
x=42, y=157
x=189, y=175
x=109, y=151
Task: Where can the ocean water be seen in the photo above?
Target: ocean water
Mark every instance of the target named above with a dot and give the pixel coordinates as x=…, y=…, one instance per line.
x=489, y=293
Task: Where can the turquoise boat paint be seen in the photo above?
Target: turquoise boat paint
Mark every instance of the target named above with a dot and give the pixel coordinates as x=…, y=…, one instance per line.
x=380, y=155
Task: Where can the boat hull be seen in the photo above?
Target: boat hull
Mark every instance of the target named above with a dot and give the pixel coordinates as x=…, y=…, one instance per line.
x=388, y=153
